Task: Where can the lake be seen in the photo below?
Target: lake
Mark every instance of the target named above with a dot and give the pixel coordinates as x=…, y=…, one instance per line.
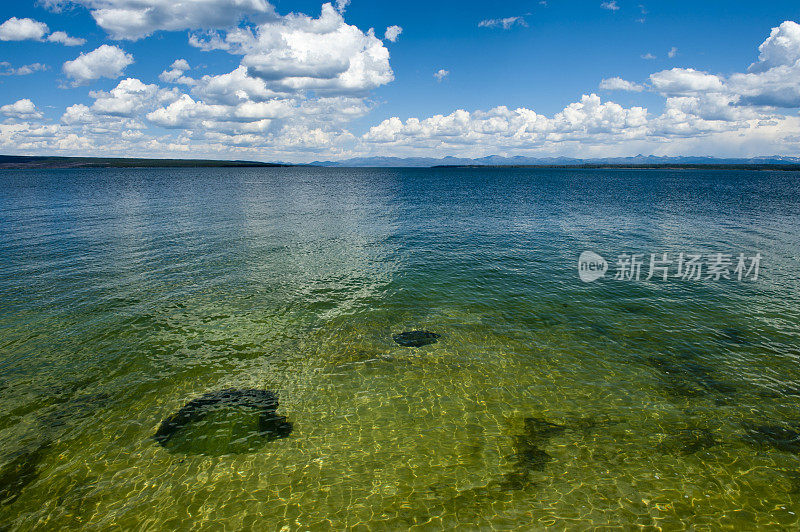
x=137, y=301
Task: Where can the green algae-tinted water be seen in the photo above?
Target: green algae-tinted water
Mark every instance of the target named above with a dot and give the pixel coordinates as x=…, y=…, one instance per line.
x=546, y=402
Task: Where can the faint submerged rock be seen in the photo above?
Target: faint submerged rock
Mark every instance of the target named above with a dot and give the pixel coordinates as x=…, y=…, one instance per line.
x=734, y=336
x=416, y=338
x=691, y=441
x=537, y=430
x=20, y=472
x=774, y=436
x=528, y=453
x=794, y=481
x=688, y=379
x=270, y=425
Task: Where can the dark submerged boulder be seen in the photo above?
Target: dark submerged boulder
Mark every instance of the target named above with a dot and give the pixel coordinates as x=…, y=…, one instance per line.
x=529, y=453
x=271, y=426
x=416, y=338
x=19, y=472
x=782, y=438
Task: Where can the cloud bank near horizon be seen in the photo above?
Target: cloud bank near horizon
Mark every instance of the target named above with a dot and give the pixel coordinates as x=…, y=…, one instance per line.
x=302, y=82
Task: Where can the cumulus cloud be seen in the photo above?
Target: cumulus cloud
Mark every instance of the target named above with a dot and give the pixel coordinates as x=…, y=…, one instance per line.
x=505, y=23
x=177, y=73
x=685, y=80
x=781, y=48
x=7, y=70
x=584, y=127
x=619, y=84
x=62, y=38
x=130, y=96
x=77, y=114
x=104, y=62
x=233, y=88
x=773, y=81
x=298, y=52
x=521, y=127
x=22, y=29
x=180, y=64
x=392, y=33
x=21, y=109
x=135, y=19
x=441, y=75
x=673, y=52
x=303, y=80
x=26, y=29
x=777, y=87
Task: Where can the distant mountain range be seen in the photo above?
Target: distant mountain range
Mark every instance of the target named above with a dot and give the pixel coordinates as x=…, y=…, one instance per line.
x=496, y=160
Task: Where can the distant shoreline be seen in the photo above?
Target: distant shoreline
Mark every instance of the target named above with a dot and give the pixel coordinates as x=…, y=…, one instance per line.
x=20, y=162
x=15, y=162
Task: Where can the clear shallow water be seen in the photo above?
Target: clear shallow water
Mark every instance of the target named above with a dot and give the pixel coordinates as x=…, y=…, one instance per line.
x=125, y=294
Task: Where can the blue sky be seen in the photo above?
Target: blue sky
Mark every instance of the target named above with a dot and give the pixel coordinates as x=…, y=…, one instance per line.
x=299, y=81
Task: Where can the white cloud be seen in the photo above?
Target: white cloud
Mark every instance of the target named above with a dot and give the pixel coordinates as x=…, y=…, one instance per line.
x=441, y=74
x=685, y=80
x=21, y=109
x=501, y=127
x=773, y=81
x=135, y=19
x=62, y=38
x=77, y=114
x=782, y=48
x=341, y=5
x=177, y=73
x=298, y=52
x=26, y=29
x=611, y=5
x=672, y=52
x=180, y=64
x=130, y=96
x=777, y=87
x=586, y=128
x=232, y=88
x=505, y=23
x=184, y=111
x=22, y=29
x=392, y=33
x=648, y=56
x=7, y=70
x=619, y=84
x=314, y=80
x=104, y=62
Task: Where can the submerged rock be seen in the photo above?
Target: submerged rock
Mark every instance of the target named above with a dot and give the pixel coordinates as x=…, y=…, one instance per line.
x=271, y=426
x=690, y=441
x=734, y=336
x=538, y=429
x=529, y=456
x=20, y=472
x=775, y=436
x=685, y=378
x=416, y=338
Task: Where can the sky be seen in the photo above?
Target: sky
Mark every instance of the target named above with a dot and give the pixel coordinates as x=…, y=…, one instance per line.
x=299, y=81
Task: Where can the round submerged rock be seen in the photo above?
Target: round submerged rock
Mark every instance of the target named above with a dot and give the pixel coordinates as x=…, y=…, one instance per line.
x=229, y=421
x=416, y=338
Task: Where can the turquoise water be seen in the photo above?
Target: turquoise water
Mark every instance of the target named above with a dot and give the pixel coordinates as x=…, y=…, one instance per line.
x=546, y=401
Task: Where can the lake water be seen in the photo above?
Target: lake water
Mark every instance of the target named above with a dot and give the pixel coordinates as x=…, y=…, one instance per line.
x=546, y=401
